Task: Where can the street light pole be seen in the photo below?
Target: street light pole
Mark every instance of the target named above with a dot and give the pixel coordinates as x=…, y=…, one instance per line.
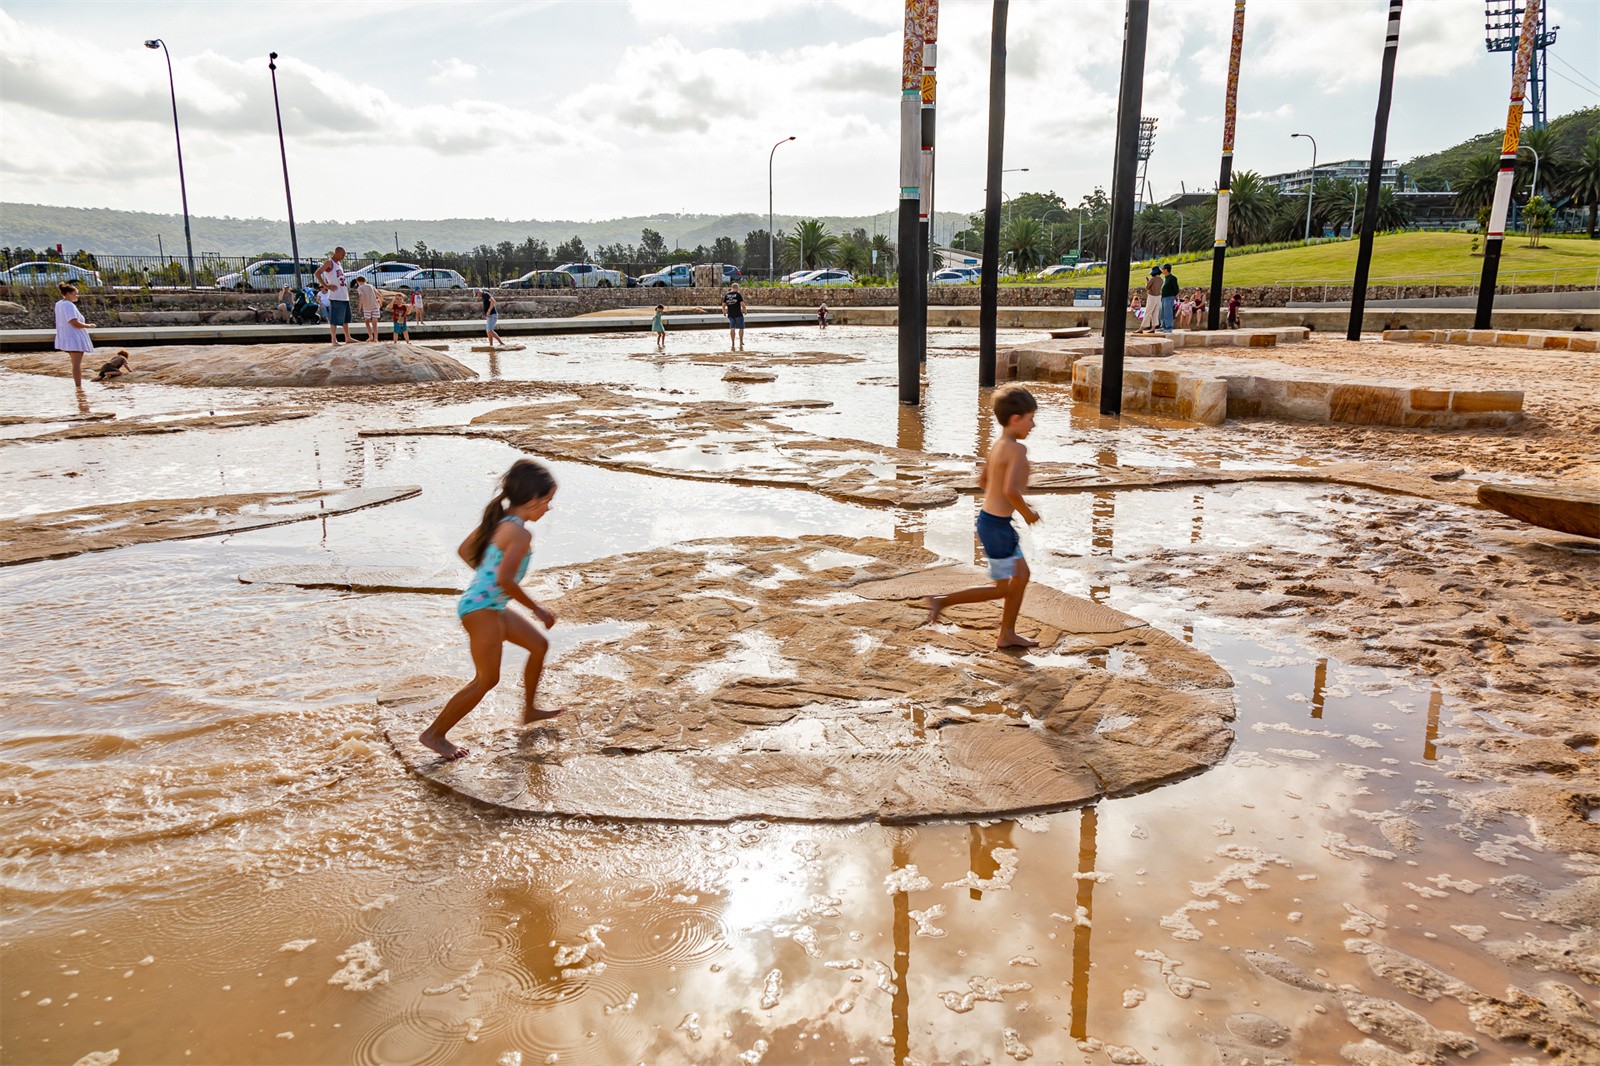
x=1311, y=186
x=294, y=243
x=771, y=244
x=1534, y=189
x=183, y=189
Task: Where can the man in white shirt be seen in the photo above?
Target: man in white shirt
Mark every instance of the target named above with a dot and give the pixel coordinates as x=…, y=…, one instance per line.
x=330, y=281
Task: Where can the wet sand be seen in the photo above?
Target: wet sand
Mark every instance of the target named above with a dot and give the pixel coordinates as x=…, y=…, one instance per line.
x=213, y=854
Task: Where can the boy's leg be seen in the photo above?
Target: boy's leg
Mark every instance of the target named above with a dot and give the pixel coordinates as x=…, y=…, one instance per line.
x=484, y=635
x=1014, y=590
x=522, y=633
x=976, y=594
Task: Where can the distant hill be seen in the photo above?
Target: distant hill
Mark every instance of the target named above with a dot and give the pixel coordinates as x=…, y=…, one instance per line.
x=108, y=232
x=1435, y=171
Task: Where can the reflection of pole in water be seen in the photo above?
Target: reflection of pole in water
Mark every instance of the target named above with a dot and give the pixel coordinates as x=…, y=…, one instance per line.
x=901, y=1005
x=911, y=433
x=494, y=365
x=982, y=840
x=1081, y=931
x=1102, y=526
x=1319, y=688
x=1435, y=702
x=1196, y=524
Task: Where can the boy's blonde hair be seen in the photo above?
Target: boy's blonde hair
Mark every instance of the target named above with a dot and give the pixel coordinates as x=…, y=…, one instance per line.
x=1012, y=400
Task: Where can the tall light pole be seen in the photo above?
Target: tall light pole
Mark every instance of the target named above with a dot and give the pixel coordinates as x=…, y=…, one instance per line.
x=1533, y=190
x=294, y=243
x=771, y=244
x=1311, y=186
x=183, y=189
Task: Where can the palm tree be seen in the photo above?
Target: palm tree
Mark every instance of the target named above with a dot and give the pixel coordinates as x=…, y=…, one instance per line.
x=811, y=242
x=1024, y=239
x=1475, y=190
x=1582, y=184
x=885, y=249
x=1252, y=208
x=850, y=256
x=1552, y=163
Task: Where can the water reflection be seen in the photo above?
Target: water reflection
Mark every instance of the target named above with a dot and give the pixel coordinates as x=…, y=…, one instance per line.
x=1435, y=702
x=1082, y=924
x=901, y=1005
x=1319, y=688
x=982, y=842
x=910, y=526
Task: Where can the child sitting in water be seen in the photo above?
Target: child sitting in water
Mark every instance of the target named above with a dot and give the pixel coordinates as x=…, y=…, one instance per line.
x=115, y=368
x=498, y=553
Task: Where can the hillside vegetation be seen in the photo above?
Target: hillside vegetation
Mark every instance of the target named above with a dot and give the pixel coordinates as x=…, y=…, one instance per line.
x=1446, y=257
x=1436, y=171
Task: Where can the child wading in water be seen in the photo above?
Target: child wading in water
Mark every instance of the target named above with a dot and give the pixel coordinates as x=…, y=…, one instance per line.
x=1004, y=477
x=659, y=328
x=498, y=553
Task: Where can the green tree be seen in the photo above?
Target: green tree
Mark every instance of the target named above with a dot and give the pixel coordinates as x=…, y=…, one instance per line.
x=1536, y=218
x=755, y=252
x=851, y=256
x=1475, y=188
x=1582, y=186
x=885, y=249
x=1553, y=163
x=572, y=251
x=1024, y=241
x=1253, y=208
x=726, y=250
x=652, y=249
x=811, y=243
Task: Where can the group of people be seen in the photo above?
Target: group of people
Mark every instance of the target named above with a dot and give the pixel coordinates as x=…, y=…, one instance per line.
x=333, y=292
x=1162, y=306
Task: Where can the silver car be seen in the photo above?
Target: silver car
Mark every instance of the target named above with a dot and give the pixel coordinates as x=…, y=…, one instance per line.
x=50, y=273
x=428, y=279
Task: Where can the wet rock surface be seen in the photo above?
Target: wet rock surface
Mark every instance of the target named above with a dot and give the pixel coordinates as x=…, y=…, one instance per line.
x=284, y=365
x=789, y=680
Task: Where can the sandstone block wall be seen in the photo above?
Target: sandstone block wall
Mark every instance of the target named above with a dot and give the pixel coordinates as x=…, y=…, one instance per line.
x=1169, y=392
x=1498, y=338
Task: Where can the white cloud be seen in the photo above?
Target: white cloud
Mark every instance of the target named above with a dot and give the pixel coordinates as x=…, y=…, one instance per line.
x=452, y=70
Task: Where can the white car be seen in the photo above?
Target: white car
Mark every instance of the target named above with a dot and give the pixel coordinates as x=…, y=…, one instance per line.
x=954, y=276
x=825, y=277
x=50, y=273
x=428, y=279
x=384, y=275
x=269, y=275
x=1056, y=270
x=589, y=276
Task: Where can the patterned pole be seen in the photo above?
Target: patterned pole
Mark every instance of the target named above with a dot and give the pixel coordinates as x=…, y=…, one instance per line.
x=989, y=272
x=1230, y=108
x=1380, y=133
x=910, y=201
x=930, y=37
x=1508, y=164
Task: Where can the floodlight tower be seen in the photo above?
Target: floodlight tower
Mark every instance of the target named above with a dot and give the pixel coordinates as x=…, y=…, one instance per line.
x=1501, y=21
x=1147, y=144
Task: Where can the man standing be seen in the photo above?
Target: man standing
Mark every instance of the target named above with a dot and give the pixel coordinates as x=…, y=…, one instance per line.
x=1169, y=296
x=733, y=307
x=330, y=280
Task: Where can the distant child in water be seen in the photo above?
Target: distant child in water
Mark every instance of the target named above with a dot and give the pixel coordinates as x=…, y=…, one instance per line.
x=822, y=317
x=1004, y=477
x=498, y=551
x=659, y=328
x=115, y=368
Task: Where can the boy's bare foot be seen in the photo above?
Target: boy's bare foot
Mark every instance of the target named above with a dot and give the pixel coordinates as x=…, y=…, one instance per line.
x=935, y=605
x=533, y=714
x=451, y=752
x=1015, y=640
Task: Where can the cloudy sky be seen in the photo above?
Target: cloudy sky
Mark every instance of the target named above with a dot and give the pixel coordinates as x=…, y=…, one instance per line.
x=605, y=108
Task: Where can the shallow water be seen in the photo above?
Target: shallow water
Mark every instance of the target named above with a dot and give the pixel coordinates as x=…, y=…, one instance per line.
x=210, y=853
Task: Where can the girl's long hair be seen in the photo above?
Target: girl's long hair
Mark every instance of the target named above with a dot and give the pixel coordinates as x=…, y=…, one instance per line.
x=526, y=480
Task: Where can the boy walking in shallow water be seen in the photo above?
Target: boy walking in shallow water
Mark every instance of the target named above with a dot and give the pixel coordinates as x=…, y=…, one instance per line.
x=1002, y=481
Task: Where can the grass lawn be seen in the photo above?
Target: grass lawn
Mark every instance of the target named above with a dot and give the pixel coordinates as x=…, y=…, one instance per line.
x=1422, y=256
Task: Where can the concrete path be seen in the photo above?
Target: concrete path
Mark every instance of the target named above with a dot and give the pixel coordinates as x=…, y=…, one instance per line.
x=14, y=340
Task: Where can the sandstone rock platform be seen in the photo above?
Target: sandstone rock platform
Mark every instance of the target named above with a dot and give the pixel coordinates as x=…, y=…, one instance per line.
x=1552, y=340
x=792, y=679
x=1566, y=510
x=357, y=363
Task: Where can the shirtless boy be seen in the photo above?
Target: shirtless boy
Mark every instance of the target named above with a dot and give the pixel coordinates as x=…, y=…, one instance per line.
x=1004, y=476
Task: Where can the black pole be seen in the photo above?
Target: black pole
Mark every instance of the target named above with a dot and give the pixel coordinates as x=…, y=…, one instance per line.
x=294, y=243
x=1114, y=332
x=989, y=273
x=1380, y=133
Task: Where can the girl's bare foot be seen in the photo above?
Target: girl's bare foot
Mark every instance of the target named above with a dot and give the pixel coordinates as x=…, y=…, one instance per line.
x=1015, y=640
x=935, y=605
x=533, y=714
x=451, y=752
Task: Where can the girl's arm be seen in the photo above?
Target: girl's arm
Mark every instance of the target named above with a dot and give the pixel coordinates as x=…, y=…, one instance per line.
x=511, y=558
x=465, y=551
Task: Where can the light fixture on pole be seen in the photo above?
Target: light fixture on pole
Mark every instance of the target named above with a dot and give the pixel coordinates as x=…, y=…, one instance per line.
x=294, y=243
x=183, y=189
x=1533, y=190
x=771, y=244
x=1147, y=145
x=1311, y=186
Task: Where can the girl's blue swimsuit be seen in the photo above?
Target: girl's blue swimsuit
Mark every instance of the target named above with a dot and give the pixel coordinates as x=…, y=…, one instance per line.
x=484, y=592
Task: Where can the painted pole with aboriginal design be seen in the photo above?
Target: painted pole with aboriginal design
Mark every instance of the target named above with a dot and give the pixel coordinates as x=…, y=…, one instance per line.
x=1230, y=109
x=912, y=298
x=1509, y=144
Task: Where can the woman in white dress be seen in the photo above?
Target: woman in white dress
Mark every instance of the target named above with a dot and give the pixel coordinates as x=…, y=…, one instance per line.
x=72, y=334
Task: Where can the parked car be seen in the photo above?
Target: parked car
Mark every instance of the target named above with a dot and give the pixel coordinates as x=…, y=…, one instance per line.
x=1091, y=264
x=731, y=273
x=676, y=276
x=1056, y=271
x=825, y=277
x=541, y=279
x=793, y=276
x=429, y=279
x=268, y=275
x=383, y=275
x=589, y=276
x=953, y=276
x=50, y=273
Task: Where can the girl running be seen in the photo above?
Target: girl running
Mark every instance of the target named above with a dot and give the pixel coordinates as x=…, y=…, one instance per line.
x=498, y=553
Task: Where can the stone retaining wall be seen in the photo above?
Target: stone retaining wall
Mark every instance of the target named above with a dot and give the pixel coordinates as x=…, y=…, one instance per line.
x=1166, y=391
x=1497, y=338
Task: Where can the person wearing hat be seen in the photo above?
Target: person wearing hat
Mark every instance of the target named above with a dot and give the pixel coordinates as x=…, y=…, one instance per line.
x=1152, y=300
x=1169, y=296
